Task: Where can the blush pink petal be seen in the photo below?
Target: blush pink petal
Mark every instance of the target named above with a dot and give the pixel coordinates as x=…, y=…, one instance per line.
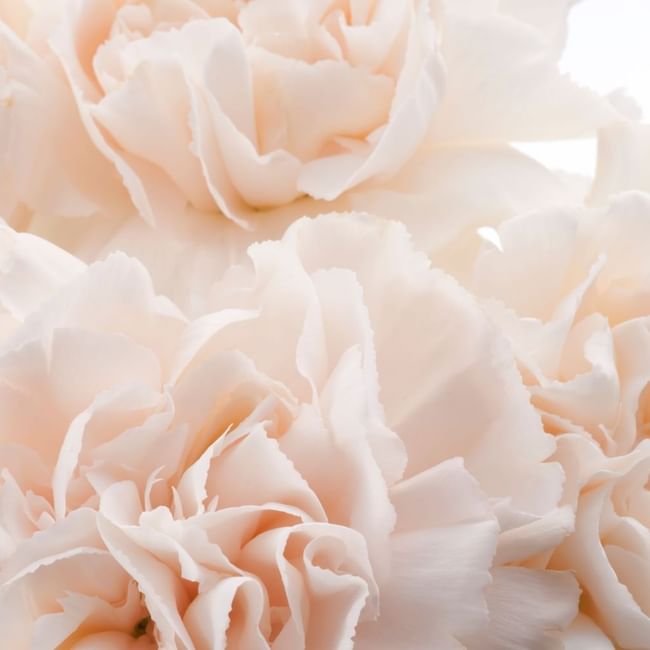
x=272, y=457
x=32, y=269
x=450, y=546
x=527, y=608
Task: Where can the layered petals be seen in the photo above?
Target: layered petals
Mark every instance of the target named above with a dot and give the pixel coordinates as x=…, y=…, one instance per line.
x=239, y=492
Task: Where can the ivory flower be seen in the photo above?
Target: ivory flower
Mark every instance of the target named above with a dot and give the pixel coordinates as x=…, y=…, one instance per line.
x=258, y=102
x=570, y=288
x=185, y=108
x=254, y=427
x=314, y=463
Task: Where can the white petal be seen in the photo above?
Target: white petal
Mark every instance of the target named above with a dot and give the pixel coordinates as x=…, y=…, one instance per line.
x=159, y=585
x=440, y=558
x=445, y=194
x=526, y=608
x=623, y=160
x=51, y=163
x=116, y=296
x=227, y=614
x=526, y=99
x=584, y=633
x=32, y=269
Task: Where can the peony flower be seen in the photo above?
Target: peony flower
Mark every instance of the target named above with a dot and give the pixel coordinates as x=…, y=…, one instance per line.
x=316, y=462
x=570, y=288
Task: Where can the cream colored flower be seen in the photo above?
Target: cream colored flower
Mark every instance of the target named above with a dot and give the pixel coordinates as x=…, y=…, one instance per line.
x=234, y=106
x=571, y=288
x=332, y=455
x=610, y=549
x=575, y=285
x=185, y=108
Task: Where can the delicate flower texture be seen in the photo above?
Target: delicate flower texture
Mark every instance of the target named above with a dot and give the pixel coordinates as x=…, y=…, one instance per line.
x=571, y=288
x=623, y=160
x=610, y=549
x=341, y=452
x=237, y=105
x=193, y=107
x=575, y=283
x=239, y=409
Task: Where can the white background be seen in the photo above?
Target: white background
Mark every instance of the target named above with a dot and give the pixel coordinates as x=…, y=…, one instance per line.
x=608, y=49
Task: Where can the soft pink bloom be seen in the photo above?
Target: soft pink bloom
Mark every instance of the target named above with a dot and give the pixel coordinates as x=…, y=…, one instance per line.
x=233, y=106
x=571, y=288
x=317, y=440
x=340, y=452
x=183, y=108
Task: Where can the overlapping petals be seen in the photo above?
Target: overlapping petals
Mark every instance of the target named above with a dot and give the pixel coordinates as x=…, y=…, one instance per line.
x=259, y=103
x=254, y=427
x=569, y=286
x=274, y=473
x=262, y=103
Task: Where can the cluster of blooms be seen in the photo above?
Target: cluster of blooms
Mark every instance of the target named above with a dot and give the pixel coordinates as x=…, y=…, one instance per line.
x=297, y=351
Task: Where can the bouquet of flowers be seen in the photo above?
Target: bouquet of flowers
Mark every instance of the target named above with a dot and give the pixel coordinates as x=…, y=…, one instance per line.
x=298, y=351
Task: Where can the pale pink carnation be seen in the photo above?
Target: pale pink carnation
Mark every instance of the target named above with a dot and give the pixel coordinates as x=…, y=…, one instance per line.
x=184, y=109
x=340, y=452
x=571, y=289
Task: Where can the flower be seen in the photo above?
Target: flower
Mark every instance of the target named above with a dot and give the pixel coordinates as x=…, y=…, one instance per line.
x=190, y=108
x=315, y=458
x=259, y=102
x=569, y=286
x=316, y=440
x=609, y=550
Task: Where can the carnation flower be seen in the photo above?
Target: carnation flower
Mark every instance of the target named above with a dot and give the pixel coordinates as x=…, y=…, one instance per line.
x=570, y=288
x=316, y=462
x=581, y=315
x=259, y=102
x=243, y=410
x=608, y=552
x=230, y=107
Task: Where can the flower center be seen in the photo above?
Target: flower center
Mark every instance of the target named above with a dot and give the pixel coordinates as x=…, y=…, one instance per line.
x=140, y=628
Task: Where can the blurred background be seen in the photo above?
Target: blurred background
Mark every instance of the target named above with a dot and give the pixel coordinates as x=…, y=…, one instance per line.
x=608, y=50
